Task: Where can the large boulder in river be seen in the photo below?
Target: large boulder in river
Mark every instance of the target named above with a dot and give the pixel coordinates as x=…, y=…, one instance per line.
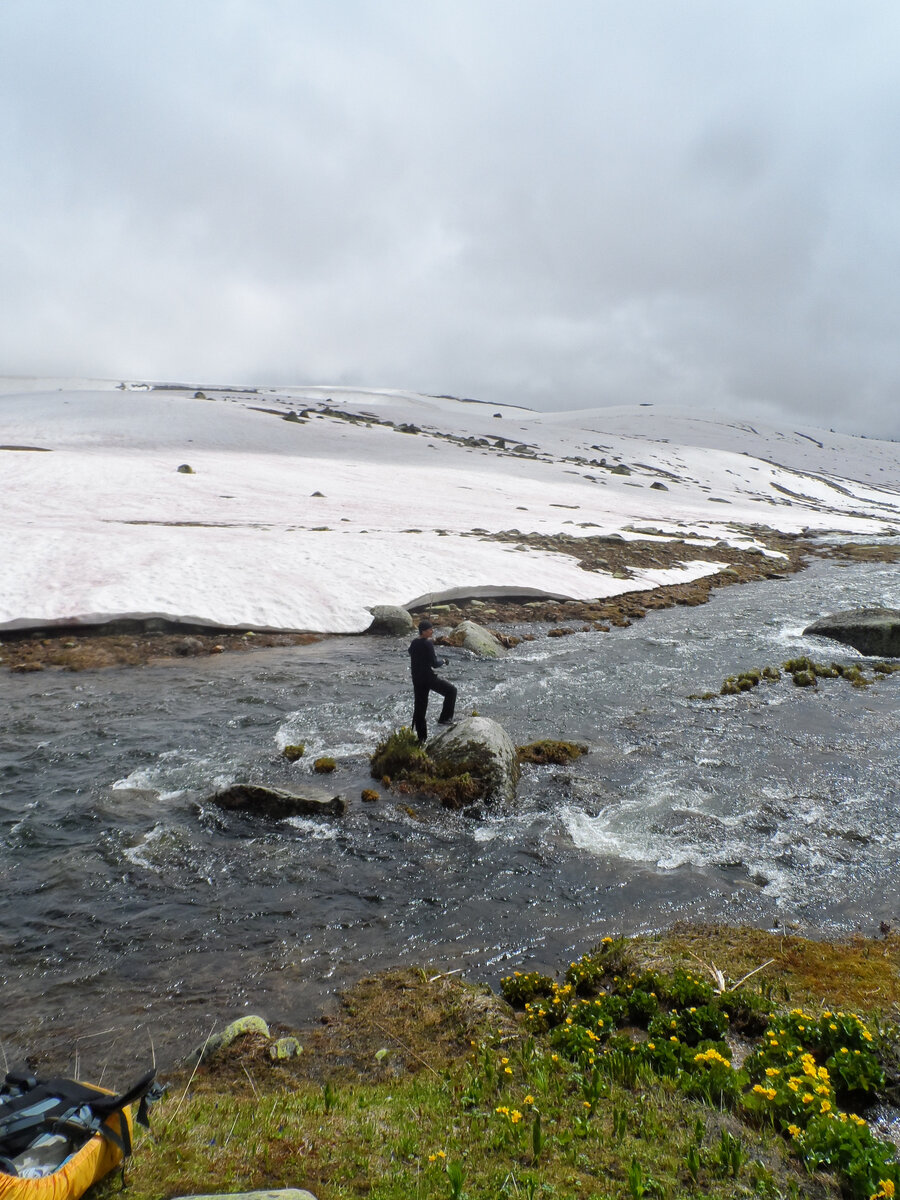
x=387, y=618
x=482, y=748
x=277, y=803
x=478, y=640
x=873, y=631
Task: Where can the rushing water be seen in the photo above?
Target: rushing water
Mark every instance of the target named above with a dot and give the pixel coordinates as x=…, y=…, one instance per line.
x=132, y=905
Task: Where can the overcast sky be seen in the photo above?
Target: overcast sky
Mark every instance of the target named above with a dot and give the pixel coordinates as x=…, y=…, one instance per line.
x=560, y=204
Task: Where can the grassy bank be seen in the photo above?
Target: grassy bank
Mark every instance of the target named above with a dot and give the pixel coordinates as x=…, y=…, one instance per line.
x=642, y=1070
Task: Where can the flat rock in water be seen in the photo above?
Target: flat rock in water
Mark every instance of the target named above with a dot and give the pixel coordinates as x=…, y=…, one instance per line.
x=872, y=631
x=278, y=803
x=478, y=640
x=481, y=746
x=387, y=618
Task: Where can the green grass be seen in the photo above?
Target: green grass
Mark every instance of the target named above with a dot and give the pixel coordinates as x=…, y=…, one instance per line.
x=616, y=1082
x=395, y=1140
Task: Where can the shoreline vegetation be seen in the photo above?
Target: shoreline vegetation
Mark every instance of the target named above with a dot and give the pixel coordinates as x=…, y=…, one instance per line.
x=128, y=643
x=704, y=1061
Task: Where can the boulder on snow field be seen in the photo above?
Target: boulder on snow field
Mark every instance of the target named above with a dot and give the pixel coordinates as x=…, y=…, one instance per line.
x=873, y=631
x=277, y=803
x=483, y=748
x=478, y=640
x=391, y=620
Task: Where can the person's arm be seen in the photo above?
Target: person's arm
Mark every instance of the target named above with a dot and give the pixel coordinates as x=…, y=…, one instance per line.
x=435, y=661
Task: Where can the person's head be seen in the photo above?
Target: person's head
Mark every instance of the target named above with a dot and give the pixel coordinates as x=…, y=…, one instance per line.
x=426, y=629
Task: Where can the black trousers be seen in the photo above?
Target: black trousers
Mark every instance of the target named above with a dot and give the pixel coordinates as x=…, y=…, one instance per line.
x=421, y=690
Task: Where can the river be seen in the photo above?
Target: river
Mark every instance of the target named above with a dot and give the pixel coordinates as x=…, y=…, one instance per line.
x=136, y=916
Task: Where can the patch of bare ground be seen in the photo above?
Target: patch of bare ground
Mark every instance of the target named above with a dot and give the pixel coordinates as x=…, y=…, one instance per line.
x=87, y=651
x=423, y=1019
x=619, y=558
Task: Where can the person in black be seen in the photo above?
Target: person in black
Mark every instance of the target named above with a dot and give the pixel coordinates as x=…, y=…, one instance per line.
x=422, y=661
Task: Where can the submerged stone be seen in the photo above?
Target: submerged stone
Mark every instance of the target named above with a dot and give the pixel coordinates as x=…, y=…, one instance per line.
x=277, y=803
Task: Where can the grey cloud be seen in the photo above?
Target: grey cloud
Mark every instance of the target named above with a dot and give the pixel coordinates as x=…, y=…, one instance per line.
x=585, y=203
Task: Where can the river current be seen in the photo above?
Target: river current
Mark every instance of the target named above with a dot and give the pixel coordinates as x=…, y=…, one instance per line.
x=137, y=916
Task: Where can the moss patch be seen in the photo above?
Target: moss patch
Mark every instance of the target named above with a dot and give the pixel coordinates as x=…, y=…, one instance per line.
x=401, y=762
x=545, y=752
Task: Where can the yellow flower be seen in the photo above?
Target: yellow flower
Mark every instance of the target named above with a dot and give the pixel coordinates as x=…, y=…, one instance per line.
x=844, y=1050
x=825, y=1106
x=501, y=1109
x=607, y=941
x=794, y=1130
x=673, y=1038
x=772, y=1071
x=586, y=1104
x=832, y=1027
x=507, y=1070
x=504, y=1061
x=887, y=1190
x=515, y=1116
x=651, y=1045
x=554, y=1058
x=529, y=1099
x=432, y=1157
x=807, y=1098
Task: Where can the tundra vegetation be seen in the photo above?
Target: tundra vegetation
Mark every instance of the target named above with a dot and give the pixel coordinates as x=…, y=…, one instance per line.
x=708, y=1062
x=804, y=672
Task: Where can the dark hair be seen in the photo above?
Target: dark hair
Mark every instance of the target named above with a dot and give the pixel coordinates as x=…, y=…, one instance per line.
x=423, y=625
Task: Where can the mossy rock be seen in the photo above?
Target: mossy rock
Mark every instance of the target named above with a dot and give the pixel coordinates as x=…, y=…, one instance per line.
x=186, y=469
x=285, y=1047
x=479, y=747
x=471, y=761
x=324, y=765
x=478, y=641
x=546, y=752
x=219, y=1042
x=293, y=752
x=368, y=795
x=804, y=678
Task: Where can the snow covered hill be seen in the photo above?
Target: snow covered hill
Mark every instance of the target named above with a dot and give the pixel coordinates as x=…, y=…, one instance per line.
x=306, y=506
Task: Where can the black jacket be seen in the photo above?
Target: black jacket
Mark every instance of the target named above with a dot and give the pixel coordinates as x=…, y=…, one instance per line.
x=422, y=659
